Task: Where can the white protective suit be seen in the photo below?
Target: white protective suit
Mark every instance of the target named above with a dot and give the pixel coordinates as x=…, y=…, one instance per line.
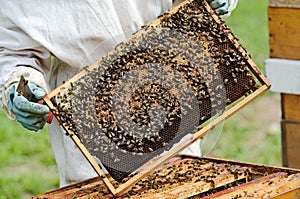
x=72, y=31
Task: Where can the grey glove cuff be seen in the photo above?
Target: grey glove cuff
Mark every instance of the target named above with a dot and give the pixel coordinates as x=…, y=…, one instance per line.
x=232, y=6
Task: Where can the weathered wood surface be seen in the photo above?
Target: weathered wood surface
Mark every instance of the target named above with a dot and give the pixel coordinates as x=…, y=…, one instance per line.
x=285, y=3
x=284, y=19
x=291, y=107
x=293, y=193
x=284, y=33
x=290, y=143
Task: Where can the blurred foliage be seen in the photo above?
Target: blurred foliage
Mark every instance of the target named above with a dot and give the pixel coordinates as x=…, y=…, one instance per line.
x=27, y=164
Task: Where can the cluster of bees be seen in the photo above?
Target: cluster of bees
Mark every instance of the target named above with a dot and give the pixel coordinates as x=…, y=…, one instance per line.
x=199, y=172
x=193, y=171
x=155, y=89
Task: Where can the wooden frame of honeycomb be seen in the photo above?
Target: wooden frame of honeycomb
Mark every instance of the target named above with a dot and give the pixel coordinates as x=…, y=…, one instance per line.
x=156, y=93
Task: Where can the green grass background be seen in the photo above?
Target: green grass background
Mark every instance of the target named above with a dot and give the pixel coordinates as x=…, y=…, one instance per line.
x=27, y=165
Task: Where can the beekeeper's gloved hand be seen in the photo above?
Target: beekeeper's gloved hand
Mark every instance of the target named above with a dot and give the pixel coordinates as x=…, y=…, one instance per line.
x=219, y=6
x=30, y=114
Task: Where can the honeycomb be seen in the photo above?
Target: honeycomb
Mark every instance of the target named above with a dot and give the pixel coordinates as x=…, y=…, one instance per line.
x=155, y=89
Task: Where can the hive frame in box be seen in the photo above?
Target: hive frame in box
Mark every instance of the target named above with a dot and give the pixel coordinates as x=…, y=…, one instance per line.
x=151, y=164
x=199, y=177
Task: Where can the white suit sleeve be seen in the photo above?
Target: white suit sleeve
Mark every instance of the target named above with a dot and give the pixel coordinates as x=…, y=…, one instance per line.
x=19, y=55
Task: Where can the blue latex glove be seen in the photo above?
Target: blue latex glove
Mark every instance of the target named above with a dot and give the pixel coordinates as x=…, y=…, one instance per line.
x=219, y=6
x=30, y=114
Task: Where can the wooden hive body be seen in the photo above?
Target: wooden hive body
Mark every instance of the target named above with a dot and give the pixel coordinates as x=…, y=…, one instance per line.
x=198, y=178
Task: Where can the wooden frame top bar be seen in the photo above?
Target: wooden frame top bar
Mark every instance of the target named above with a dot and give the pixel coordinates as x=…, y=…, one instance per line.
x=285, y=3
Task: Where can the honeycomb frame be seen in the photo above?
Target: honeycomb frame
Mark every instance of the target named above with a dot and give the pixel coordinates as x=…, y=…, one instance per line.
x=203, y=65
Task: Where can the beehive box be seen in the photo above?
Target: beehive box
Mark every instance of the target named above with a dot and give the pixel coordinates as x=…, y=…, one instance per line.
x=156, y=93
x=189, y=176
x=285, y=44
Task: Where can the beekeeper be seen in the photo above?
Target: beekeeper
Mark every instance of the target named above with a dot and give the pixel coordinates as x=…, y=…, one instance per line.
x=49, y=41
